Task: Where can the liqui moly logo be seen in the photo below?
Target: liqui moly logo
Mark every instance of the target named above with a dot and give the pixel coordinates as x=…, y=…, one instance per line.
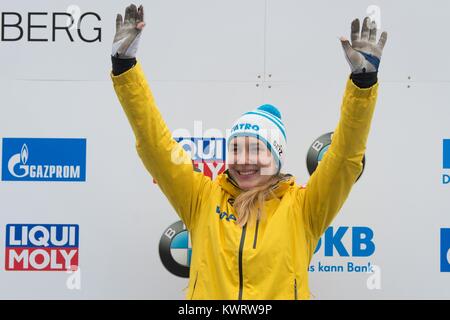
x=207, y=154
x=41, y=247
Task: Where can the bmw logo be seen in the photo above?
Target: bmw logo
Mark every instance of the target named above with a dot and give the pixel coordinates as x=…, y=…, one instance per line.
x=175, y=249
x=318, y=150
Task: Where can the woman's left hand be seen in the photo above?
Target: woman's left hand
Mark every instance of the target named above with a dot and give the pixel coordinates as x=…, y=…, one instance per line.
x=364, y=53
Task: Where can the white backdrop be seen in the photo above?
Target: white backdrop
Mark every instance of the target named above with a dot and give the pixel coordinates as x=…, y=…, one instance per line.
x=209, y=61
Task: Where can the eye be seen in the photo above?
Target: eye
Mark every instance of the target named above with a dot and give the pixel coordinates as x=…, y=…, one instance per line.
x=234, y=148
x=258, y=148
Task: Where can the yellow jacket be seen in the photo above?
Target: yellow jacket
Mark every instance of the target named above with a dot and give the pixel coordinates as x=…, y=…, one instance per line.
x=268, y=260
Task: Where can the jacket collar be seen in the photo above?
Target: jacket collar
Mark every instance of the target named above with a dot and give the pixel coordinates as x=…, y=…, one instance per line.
x=230, y=186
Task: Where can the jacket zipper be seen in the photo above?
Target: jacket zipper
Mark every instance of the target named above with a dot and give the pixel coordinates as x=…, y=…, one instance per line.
x=195, y=284
x=295, y=289
x=256, y=234
x=241, y=249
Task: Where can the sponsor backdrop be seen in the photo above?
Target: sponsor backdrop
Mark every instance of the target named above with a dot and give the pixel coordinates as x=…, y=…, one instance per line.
x=81, y=218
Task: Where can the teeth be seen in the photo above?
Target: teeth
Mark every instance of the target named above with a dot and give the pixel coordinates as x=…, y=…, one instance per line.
x=247, y=173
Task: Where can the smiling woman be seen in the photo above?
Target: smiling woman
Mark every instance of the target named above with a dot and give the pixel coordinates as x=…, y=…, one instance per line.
x=266, y=251
x=255, y=156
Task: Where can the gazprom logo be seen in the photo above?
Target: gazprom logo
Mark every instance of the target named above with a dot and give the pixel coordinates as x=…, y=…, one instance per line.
x=43, y=159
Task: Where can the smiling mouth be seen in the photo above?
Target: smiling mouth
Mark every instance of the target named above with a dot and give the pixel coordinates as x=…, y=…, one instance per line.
x=247, y=172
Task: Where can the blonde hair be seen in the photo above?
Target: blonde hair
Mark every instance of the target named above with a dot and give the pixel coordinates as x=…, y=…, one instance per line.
x=249, y=205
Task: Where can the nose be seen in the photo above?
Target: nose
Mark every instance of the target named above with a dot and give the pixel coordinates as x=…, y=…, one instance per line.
x=247, y=157
x=251, y=157
x=242, y=157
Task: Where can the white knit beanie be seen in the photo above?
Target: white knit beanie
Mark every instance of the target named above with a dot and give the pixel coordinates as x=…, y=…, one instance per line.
x=265, y=124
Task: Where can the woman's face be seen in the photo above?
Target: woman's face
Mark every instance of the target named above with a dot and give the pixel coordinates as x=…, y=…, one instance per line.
x=250, y=162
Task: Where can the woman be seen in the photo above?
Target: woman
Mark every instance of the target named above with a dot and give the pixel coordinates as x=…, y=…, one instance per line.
x=253, y=229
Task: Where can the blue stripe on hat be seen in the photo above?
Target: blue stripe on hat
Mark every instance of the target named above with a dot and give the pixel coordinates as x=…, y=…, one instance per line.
x=271, y=115
x=271, y=119
x=270, y=109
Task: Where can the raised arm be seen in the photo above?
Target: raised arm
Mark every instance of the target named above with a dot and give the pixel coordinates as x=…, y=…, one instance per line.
x=329, y=186
x=163, y=157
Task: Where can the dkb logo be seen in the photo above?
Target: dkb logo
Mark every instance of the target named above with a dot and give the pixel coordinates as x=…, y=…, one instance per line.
x=362, y=244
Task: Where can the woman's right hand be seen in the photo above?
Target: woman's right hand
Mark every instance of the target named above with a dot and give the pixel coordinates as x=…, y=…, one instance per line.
x=128, y=32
